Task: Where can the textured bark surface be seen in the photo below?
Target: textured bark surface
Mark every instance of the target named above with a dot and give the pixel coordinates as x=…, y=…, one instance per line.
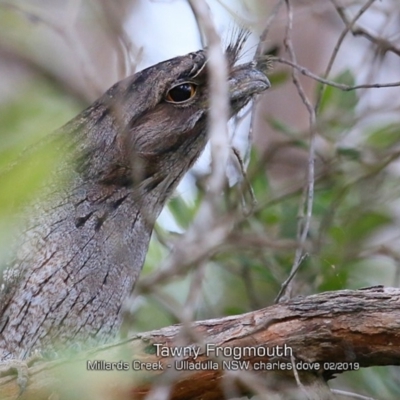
x=337, y=330
x=85, y=240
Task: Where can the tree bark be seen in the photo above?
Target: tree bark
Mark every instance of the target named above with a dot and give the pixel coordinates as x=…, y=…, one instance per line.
x=327, y=333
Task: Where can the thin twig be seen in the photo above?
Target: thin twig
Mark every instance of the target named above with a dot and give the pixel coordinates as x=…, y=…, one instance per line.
x=305, y=221
x=339, y=43
x=351, y=395
x=267, y=27
x=341, y=86
x=62, y=32
x=208, y=230
x=257, y=55
x=219, y=108
x=297, y=378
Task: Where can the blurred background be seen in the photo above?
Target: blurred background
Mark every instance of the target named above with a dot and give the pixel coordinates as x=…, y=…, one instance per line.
x=56, y=57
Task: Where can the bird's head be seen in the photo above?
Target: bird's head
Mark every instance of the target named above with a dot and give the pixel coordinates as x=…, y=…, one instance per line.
x=148, y=129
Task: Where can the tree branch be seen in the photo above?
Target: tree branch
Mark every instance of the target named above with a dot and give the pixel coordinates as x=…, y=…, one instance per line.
x=328, y=333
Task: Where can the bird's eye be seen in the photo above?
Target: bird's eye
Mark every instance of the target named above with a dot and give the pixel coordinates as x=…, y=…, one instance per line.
x=181, y=93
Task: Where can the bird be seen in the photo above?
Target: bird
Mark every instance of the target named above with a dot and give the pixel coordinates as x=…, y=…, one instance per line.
x=85, y=239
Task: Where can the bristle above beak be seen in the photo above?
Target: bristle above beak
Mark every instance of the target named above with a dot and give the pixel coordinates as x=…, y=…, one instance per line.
x=236, y=46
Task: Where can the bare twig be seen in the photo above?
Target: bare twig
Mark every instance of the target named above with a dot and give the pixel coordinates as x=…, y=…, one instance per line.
x=267, y=27
x=339, y=43
x=219, y=114
x=297, y=378
x=341, y=86
x=74, y=45
x=383, y=44
x=307, y=204
x=208, y=230
x=351, y=395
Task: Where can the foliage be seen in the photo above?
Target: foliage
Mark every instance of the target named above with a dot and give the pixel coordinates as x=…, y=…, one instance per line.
x=26, y=157
x=351, y=242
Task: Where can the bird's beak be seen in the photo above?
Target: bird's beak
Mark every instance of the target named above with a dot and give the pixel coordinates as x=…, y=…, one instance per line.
x=245, y=81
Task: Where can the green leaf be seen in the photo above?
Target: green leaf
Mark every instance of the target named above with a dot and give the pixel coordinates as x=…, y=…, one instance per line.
x=278, y=78
x=26, y=159
x=280, y=126
x=349, y=153
x=384, y=137
x=338, y=99
x=182, y=211
x=365, y=224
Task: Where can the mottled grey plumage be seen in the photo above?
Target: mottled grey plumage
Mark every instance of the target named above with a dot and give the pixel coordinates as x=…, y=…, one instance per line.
x=85, y=241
